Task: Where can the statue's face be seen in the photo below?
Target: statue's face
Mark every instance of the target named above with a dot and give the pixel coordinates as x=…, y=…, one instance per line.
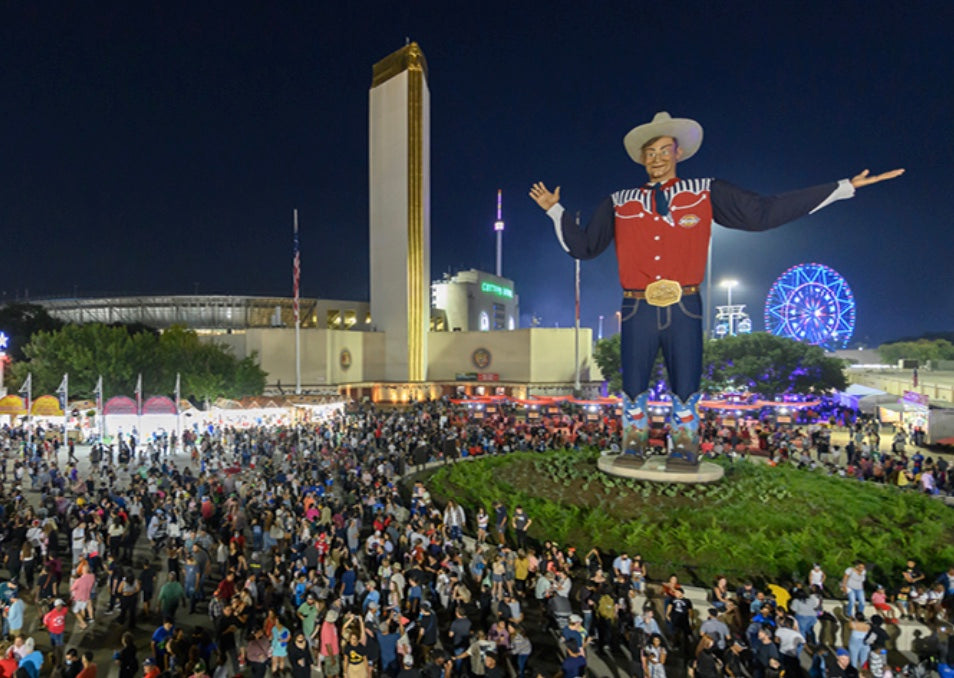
x=660, y=158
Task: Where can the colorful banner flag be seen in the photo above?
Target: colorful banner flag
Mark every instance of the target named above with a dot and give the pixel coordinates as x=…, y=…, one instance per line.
x=27, y=387
x=63, y=390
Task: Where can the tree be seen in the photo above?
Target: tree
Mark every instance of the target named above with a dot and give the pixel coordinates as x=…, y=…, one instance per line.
x=606, y=355
x=87, y=351
x=758, y=362
x=769, y=365
x=921, y=350
x=20, y=322
x=208, y=370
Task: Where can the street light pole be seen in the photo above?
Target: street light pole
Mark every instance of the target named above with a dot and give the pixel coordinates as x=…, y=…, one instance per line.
x=728, y=285
x=707, y=328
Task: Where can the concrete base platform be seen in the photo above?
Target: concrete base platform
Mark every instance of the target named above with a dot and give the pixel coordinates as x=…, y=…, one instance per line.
x=654, y=470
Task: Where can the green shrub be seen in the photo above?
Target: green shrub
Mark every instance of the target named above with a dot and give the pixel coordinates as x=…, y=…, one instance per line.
x=760, y=522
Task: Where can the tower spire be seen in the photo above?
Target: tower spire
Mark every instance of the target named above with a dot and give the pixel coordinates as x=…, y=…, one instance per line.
x=498, y=228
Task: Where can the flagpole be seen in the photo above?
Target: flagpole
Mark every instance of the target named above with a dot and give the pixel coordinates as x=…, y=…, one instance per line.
x=29, y=386
x=296, y=274
x=576, y=333
x=139, y=436
x=66, y=407
x=576, y=325
x=178, y=413
x=101, y=416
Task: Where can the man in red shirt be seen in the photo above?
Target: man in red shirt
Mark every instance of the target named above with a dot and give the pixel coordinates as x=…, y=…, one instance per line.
x=89, y=667
x=149, y=668
x=226, y=587
x=55, y=623
x=662, y=231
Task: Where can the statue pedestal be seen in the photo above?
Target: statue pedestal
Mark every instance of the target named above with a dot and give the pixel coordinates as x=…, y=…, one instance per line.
x=654, y=470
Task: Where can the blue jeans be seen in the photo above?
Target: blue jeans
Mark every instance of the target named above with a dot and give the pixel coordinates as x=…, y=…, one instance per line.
x=855, y=597
x=268, y=541
x=806, y=624
x=677, y=329
x=588, y=620
x=522, y=665
x=857, y=650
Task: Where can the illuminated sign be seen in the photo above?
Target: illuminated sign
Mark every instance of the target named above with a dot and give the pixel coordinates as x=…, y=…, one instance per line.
x=4, y=341
x=495, y=289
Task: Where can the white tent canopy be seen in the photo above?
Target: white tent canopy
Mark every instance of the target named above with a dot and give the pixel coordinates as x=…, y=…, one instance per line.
x=853, y=395
x=870, y=403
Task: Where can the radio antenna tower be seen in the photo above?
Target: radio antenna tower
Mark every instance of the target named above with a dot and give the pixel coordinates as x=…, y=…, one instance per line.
x=499, y=228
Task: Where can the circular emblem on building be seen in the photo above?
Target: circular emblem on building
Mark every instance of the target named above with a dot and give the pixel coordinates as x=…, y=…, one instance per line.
x=481, y=358
x=344, y=358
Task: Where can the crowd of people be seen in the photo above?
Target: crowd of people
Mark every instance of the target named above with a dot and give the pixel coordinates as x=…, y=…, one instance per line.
x=307, y=550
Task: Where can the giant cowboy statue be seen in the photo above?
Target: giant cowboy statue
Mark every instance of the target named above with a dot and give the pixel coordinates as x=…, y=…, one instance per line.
x=662, y=231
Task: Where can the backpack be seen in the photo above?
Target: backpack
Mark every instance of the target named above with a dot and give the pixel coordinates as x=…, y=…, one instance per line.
x=876, y=637
x=606, y=607
x=216, y=609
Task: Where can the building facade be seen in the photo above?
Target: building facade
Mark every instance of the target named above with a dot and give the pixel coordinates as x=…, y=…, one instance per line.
x=211, y=314
x=339, y=346
x=400, y=214
x=475, y=301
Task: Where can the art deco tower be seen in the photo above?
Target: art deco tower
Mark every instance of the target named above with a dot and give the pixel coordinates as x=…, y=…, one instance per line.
x=400, y=210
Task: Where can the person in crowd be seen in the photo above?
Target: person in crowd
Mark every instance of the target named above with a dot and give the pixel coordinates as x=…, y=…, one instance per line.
x=55, y=622
x=89, y=669
x=126, y=658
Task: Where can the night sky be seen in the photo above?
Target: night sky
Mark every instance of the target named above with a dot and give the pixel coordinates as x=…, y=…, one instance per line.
x=160, y=147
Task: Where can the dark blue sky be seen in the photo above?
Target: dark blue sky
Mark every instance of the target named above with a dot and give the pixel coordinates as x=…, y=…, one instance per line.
x=149, y=147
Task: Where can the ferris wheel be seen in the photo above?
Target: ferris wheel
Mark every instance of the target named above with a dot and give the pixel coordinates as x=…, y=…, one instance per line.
x=811, y=303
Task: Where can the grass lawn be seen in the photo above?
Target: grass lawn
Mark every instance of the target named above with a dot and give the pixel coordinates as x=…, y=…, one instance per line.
x=762, y=522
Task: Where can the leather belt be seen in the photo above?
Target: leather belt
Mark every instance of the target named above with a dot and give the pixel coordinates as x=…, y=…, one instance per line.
x=641, y=294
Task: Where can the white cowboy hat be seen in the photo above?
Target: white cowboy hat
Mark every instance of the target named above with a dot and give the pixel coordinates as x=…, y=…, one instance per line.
x=687, y=132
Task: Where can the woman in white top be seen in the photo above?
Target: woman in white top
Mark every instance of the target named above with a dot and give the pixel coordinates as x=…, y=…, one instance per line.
x=654, y=658
x=483, y=520
x=816, y=577
x=853, y=585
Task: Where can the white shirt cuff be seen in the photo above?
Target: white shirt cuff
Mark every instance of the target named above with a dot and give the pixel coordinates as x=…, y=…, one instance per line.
x=556, y=213
x=844, y=191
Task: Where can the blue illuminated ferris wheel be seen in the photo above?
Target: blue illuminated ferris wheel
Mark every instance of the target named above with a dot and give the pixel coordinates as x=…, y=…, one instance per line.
x=811, y=303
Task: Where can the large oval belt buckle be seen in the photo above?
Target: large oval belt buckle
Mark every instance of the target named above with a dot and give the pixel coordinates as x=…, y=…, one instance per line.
x=663, y=293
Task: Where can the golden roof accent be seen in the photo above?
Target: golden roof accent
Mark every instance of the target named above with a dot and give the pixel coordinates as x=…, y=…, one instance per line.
x=408, y=58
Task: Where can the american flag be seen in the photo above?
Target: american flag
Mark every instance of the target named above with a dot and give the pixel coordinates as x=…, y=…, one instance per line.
x=296, y=269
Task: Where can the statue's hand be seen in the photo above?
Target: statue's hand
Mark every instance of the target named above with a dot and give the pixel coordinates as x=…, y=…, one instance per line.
x=543, y=197
x=864, y=180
